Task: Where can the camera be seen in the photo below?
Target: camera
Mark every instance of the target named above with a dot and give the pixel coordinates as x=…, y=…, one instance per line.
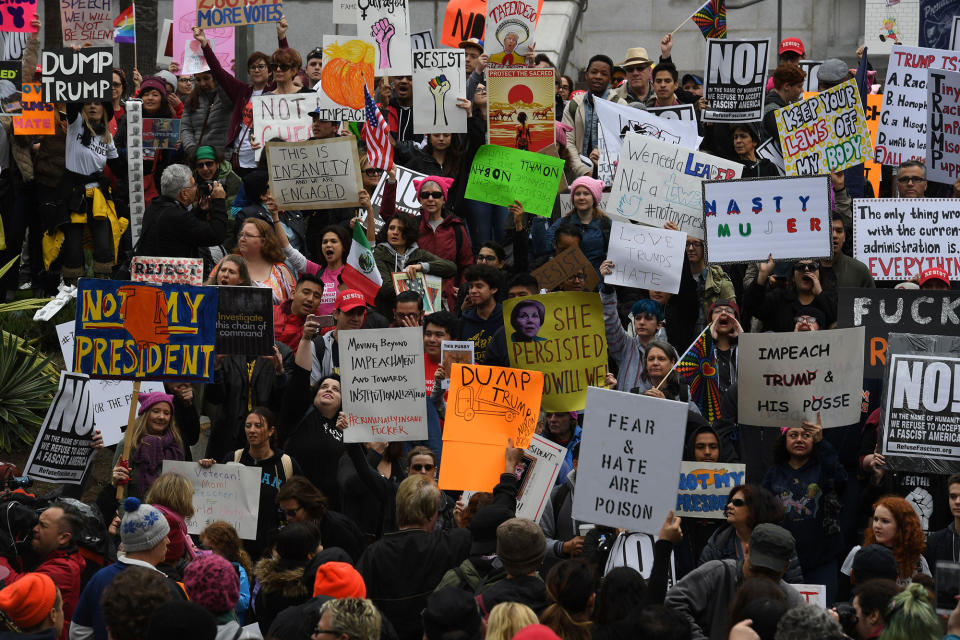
x=205, y=188
x=848, y=618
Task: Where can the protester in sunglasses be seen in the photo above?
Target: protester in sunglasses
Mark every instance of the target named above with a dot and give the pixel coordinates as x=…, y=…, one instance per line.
x=285, y=65
x=299, y=501
x=208, y=167
x=778, y=308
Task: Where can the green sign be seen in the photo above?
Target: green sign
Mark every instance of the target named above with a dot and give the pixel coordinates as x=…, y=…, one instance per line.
x=500, y=175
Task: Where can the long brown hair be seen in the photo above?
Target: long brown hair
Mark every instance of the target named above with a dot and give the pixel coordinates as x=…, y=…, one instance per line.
x=909, y=543
x=221, y=538
x=270, y=251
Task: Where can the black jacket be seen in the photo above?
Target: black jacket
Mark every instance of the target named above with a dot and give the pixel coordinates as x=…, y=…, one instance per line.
x=368, y=497
x=528, y=590
x=169, y=230
x=942, y=546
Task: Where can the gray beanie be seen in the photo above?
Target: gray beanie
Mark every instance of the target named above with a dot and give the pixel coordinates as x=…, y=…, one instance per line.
x=143, y=527
x=521, y=546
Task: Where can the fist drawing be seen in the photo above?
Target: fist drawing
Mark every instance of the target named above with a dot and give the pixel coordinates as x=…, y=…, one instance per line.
x=383, y=31
x=439, y=87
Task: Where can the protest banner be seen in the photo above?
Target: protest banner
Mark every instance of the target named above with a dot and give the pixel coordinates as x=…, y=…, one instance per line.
x=386, y=23
x=812, y=69
x=462, y=20
x=110, y=399
x=683, y=112
x=212, y=14
x=826, y=132
x=920, y=421
x=645, y=257
x=348, y=63
x=500, y=175
x=161, y=133
x=509, y=32
x=563, y=266
x=76, y=76
x=618, y=120
x=897, y=238
x=659, y=182
x=160, y=270
x=245, y=321
x=429, y=287
x=11, y=101
x=138, y=206
x=61, y=452
x=541, y=464
x=628, y=441
x=38, y=118
x=813, y=593
x=165, y=44
x=770, y=149
x=407, y=195
x=486, y=407
x=345, y=11
x=704, y=487
x=520, y=108
x=438, y=79
x=422, y=40
x=145, y=331
x=454, y=352
x=943, y=126
x=788, y=378
x=229, y=492
x=381, y=371
x=562, y=335
x=186, y=51
x=16, y=16
x=890, y=22
x=285, y=116
x=734, y=80
x=747, y=220
x=84, y=23
x=318, y=174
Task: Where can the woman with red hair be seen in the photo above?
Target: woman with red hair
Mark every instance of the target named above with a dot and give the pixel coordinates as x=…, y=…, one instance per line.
x=896, y=526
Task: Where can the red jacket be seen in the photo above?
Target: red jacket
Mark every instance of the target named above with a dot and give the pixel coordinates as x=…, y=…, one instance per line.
x=287, y=327
x=65, y=568
x=443, y=243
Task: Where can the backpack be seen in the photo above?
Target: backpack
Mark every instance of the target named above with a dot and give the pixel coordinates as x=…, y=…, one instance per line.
x=285, y=461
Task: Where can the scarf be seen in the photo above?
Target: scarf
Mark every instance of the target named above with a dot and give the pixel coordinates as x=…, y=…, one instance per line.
x=148, y=458
x=590, y=123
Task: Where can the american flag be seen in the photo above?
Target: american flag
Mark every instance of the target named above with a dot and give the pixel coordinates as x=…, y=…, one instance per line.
x=376, y=134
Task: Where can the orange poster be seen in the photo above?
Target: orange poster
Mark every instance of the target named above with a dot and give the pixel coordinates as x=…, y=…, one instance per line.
x=38, y=118
x=520, y=110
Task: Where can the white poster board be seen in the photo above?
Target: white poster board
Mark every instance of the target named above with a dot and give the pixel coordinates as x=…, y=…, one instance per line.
x=407, y=196
x=61, y=452
x=786, y=378
x=813, y=593
x=631, y=444
x=684, y=112
x=134, y=113
x=422, y=40
x=438, y=80
x=229, y=492
x=285, y=116
x=747, y=220
x=943, y=126
x=619, y=119
x=735, y=80
x=541, y=460
x=344, y=11
x=381, y=371
x=388, y=25
x=704, y=487
x=889, y=25
x=645, y=257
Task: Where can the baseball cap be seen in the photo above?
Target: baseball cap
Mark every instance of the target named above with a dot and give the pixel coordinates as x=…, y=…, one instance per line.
x=794, y=45
x=350, y=299
x=934, y=273
x=771, y=547
x=471, y=42
x=690, y=76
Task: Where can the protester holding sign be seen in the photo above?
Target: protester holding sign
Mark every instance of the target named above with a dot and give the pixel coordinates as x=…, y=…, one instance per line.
x=778, y=308
x=588, y=217
x=787, y=89
x=153, y=93
x=397, y=250
x=745, y=141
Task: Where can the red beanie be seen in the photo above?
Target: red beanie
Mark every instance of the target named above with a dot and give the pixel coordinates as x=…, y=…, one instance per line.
x=339, y=580
x=29, y=600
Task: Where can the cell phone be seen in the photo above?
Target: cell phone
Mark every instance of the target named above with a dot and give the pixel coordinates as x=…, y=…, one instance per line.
x=947, y=586
x=322, y=321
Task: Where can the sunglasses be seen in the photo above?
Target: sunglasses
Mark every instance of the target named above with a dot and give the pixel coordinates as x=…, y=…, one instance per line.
x=906, y=179
x=436, y=195
x=738, y=502
x=372, y=172
x=117, y=85
x=280, y=67
x=206, y=163
x=806, y=266
x=421, y=467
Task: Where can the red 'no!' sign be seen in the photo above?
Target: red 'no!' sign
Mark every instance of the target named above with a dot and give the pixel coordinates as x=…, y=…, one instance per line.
x=465, y=19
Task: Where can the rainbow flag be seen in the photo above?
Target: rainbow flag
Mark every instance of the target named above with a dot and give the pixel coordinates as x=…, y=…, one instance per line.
x=698, y=368
x=124, y=27
x=712, y=19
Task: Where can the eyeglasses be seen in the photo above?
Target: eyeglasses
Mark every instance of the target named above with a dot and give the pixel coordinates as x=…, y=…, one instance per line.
x=436, y=195
x=696, y=245
x=480, y=90
x=372, y=172
x=738, y=502
x=911, y=179
x=806, y=266
x=277, y=66
x=805, y=320
x=206, y=163
x=421, y=467
x=291, y=513
x=483, y=258
x=249, y=236
x=258, y=67
x=117, y=85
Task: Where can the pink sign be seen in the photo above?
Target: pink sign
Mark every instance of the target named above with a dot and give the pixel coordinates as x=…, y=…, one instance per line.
x=16, y=15
x=221, y=38
x=167, y=270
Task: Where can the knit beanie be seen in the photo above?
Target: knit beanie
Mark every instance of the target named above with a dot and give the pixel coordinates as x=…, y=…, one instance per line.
x=521, y=546
x=212, y=582
x=152, y=83
x=28, y=600
x=181, y=619
x=445, y=184
x=594, y=186
x=142, y=527
x=339, y=580
x=147, y=400
x=177, y=545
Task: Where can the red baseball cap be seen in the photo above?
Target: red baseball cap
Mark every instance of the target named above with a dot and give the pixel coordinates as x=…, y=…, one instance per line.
x=791, y=44
x=350, y=299
x=934, y=273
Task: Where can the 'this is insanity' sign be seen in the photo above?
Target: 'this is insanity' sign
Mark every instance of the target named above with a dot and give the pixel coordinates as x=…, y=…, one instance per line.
x=735, y=80
x=76, y=76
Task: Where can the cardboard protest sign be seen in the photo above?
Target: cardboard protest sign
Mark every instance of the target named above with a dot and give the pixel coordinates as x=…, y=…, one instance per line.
x=245, y=321
x=943, y=126
x=16, y=15
x=684, y=112
x=229, y=492
x=348, y=63
x=284, y=116
x=10, y=90
x=520, y=108
x=438, y=79
x=462, y=20
x=38, y=117
x=824, y=133
x=812, y=69
x=897, y=238
x=138, y=206
x=84, y=23
x=110, y=399
x=161, y=133
x=747, y=220
x=381, y=371
x=76, y=76
x=510, y=30
x=61, y=453
x=345, y=11
x=160, y=270
x=500, y=175
x=568, y=263
x=645, y=257
x=562, y=335
x=887, y=23
x=628, y=442
x=704, y=487
x=143, y=331
x=786, y=378
x=454, y=352
x=422, y=40
x=407, y=196
x=212, y=14
x=618, y=120
x=186, y=51
x=387, y=24
x=657, y=182
x=318, y=174
x=920, y=420
x=541, y=464
x=486, y=406
x=734, y=80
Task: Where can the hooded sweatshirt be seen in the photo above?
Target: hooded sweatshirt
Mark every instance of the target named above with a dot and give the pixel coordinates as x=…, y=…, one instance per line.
x=481, y=331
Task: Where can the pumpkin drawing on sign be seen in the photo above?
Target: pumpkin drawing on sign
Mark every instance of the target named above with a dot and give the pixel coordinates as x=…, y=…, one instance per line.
x=345, y=68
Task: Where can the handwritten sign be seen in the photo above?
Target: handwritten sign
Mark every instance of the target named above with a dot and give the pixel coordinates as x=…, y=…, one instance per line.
x=657, y=182
x=684, y=112
x=813, y=593
x=704, y=487
x=568, y=263
x=438, y=80
x=38, y=118
x=382, y=375
x=387, y=24
x=422, y=40
x=345, y=11
x=143, y=331
x=826, y=132
x=85, y=23
x=500, y=175
x=562, y=335
x=285, y=116
x=61, y=453
x=747, y=220
x=628, y=441
x=186, y=51
x=160, y=270
x=943, y=126
x=812, y=69
x=734, y=80
x=319, y=174
x=520, y=108
x=229, y=492
x=212, y=14
x=348, y=64
x=897, y=238
x=541, y=464
x=618, y=120
x=462, y=20
x=16, y=15
x=76, y=76
x=786, y=378
x=645, y=257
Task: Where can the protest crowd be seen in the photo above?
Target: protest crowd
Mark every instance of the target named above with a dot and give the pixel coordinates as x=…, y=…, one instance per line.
x=390, y=340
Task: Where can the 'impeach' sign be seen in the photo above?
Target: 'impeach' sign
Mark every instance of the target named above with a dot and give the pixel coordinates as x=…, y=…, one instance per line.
x=141, y=331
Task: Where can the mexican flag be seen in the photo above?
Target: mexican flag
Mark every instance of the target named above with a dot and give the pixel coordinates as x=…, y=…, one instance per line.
x=361, y=271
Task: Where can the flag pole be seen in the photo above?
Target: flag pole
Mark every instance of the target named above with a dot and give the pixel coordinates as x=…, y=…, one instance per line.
x=695, y=341
x=684, y=22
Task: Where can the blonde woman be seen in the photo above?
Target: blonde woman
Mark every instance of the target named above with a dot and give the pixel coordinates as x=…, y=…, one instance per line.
x=172, y=495
x=507, y=618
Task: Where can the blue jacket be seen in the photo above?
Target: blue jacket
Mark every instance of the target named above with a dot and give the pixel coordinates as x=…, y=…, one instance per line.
x=596, y=236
